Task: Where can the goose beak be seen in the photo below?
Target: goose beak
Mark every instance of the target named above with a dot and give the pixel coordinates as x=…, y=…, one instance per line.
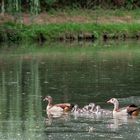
x=45, y=99
x=108, y=101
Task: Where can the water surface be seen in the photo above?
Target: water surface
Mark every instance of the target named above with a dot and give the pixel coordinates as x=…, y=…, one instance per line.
x=76, y=73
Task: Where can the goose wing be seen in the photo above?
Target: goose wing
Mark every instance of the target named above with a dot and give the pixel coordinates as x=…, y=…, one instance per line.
x=55, y=109
x=65, y=106
x=133, y=110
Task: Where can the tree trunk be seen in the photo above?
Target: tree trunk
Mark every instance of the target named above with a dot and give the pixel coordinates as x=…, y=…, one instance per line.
x=2, y=8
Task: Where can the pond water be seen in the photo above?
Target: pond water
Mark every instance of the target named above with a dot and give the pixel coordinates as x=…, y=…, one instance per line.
x=78, y=73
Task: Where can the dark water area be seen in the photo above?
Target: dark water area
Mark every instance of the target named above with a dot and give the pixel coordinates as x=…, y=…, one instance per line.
x=75, y=73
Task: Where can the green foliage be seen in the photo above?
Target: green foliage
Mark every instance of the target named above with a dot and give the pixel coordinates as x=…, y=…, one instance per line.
x=50, y=2
x=16, y=32
x=35, y=6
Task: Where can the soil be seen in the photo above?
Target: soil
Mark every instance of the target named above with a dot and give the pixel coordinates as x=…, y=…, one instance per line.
x=45, y=18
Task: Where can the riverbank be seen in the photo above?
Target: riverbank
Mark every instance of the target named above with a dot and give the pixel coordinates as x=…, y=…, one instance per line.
x=68, y=32
x=99, y=16
x=72, y=25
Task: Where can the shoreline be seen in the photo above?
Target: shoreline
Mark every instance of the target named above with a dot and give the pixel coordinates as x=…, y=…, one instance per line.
x=71, y=25
x=68, y=32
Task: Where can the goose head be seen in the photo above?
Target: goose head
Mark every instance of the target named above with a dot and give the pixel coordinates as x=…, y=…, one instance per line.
x=98, y=108
x=115, y=102
x=48, y=98
x=112, y=101
x=91, y=106
x=75, y=108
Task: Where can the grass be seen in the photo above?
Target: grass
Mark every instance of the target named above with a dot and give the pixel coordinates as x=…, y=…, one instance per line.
x=55, y=31
x=80, y=24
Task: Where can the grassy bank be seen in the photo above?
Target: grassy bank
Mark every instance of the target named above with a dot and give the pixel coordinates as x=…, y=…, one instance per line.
x=68, y=24
x=68, y=31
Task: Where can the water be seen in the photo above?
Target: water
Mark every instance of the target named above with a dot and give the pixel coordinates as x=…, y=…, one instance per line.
x=75, y=73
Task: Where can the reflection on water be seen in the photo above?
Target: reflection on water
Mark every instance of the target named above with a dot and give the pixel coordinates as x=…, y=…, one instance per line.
x=79, y=75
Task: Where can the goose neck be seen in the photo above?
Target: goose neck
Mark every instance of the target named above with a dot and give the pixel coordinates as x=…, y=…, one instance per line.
x=116, y=106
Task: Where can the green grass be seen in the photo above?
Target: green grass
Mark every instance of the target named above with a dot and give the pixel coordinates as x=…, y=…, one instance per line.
x=112, y=24
x=54, y=30
x=14, y=32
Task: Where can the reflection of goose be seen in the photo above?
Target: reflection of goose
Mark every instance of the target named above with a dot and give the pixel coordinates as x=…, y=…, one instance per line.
x=53, y=118
x=57, y=108
x=131, y=110
x=118, y=121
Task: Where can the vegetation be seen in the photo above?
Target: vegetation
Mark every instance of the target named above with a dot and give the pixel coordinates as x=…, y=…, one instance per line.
x=36, y=6
x=68, y=31
x=91, y=25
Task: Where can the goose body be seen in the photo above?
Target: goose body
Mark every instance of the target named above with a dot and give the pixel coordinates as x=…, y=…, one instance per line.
x=56, y=108
x=131, y=110
x=98, y=110
x=91, y=108
x=76, y=110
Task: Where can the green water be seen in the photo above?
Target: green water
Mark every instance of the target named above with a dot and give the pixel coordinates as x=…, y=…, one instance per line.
x=70, y=72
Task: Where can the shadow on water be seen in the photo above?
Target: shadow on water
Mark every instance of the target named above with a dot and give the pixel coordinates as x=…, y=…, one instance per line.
x=77, y=74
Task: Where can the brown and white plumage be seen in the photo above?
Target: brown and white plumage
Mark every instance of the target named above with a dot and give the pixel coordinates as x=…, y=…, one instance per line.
x=56, y=108
x=131, y=110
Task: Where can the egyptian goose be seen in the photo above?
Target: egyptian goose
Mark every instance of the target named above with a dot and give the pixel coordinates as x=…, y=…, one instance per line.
x=131, y=110
x=85, y=109
x=92, y=107
x=76, y=110
x=99, y=111
x=60, y=108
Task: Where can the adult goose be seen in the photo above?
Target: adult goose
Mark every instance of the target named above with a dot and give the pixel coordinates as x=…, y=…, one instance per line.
x=131, y=110
x=56, y=108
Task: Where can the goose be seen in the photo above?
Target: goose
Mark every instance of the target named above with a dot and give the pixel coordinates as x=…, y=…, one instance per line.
x=57, y=108
x=76, y=110
x=103, y=112
x=85, y=109
x=131, y=110
x=92, y=107
x=98, y=110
